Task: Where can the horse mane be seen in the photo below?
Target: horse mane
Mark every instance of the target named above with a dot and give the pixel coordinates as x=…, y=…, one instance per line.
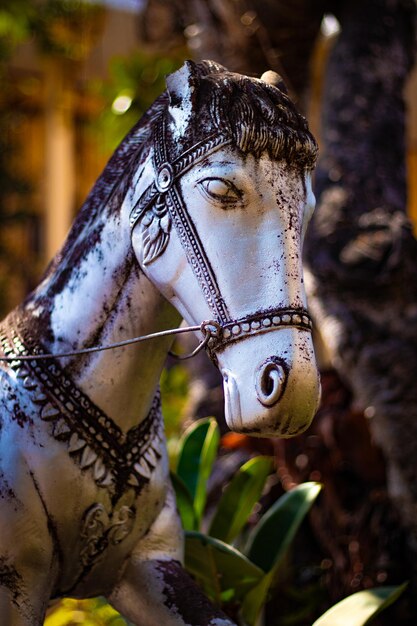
x=105, y=197
x=257, y=115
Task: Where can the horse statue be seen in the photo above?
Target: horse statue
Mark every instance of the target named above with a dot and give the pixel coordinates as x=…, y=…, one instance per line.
x=200, y=214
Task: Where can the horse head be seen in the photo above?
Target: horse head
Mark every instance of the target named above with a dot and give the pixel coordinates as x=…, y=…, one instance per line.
x=219, y=230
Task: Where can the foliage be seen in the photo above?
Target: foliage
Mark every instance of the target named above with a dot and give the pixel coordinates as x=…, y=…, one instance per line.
x=15, y=25
x=174, y=385
x=244, y=578
x=63, y=28
x=67, y=28
x=360, y=608
x=228, y=575
x=95, y=612
x=134, y=83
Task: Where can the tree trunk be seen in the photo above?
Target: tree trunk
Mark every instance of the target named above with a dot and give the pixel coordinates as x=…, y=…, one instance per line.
x=248, y=36
x=360, y=250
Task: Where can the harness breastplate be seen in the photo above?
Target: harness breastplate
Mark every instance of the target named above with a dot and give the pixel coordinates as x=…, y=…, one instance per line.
x=116, y=460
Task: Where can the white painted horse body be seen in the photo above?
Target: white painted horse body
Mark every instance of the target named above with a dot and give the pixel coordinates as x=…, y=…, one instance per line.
x=185, y=221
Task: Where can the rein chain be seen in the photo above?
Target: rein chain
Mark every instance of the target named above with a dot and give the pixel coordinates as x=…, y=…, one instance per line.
x=209, y=329
x=215, y=335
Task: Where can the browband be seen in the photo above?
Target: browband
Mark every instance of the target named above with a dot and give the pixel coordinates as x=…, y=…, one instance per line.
x=168, y=173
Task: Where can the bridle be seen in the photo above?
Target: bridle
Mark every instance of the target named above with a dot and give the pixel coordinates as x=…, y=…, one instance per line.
x=165, y=192
x=163, y=197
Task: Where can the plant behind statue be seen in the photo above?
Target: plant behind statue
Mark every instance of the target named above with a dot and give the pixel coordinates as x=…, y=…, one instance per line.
x=242, y=580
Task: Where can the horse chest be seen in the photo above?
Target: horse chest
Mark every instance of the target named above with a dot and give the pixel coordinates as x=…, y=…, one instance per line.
x=92, y=478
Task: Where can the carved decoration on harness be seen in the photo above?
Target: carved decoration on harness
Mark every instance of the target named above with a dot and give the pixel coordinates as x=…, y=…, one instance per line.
x=100, y=529
x=156, y=228
x=116, y=460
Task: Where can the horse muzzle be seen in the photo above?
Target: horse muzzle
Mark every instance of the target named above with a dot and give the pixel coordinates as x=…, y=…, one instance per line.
x=270, y=379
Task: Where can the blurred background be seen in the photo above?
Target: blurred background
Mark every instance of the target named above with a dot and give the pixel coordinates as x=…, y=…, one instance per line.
x=76, y=75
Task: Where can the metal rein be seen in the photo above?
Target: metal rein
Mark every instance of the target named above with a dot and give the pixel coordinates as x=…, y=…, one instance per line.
x=209, y=329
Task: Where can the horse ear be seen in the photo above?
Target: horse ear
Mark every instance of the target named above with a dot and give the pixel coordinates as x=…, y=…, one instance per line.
x=181, y=84
x=274, y=79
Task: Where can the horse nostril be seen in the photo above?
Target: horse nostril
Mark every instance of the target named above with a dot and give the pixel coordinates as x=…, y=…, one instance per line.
x=270, y=380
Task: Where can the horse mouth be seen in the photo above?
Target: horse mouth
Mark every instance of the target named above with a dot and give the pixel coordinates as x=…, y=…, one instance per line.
x=276, y=402
x=233, y=411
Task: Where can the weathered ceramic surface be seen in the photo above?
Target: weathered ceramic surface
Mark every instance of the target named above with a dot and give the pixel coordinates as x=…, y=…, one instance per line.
x=200, y=213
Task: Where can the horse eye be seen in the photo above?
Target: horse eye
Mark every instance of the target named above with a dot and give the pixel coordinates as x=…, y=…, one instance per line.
x=220, y=189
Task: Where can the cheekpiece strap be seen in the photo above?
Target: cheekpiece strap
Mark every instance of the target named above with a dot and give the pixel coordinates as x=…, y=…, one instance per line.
x=164, y=194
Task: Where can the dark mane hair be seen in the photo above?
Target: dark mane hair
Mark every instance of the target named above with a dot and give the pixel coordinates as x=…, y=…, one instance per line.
x=258, y=115
x=106, y=196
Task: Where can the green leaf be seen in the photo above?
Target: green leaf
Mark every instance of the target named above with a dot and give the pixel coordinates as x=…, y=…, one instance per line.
x=184, y=503
x=221, y=570
x=239, y=498
x=174, y=384
x=271, y=538
x=92, y=612
x=360, y=608
x=255, y=600
x=198, y=448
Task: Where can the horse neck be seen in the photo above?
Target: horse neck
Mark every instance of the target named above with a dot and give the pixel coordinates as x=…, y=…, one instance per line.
x=95, y=294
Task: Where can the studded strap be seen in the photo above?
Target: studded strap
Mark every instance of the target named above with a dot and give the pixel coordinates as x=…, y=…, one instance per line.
x=262, y=322
x=166, y=185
